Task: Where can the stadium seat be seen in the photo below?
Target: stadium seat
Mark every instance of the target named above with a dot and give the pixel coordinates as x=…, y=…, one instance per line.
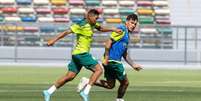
x=41, y=2
x=100, y=10
x=12, y=19
x=77, y=11
x=1, y=18
x=146, y=19
x=127, y=3
x=75, y=19
x=26, y=10
x=160, y=3
x=143, y=11
x=144, y=3
x=9, y=10
x=58, y=2
x=111, y=11
x=61, y=29
x=165, y=30
x=76, y=2
x=92, y=2
x=60, y=10
x=47, y=29
x=43, y=10
x=162, y=11
x=28, y=19
x=126, y=11
x=61, y=20
x=148, y=30
x=23, y=2
x=113, y=20
x=109, y=3
x=163, y=22
x=7, y=2
x=100, y=20
x=45, y=19
x=31, y=29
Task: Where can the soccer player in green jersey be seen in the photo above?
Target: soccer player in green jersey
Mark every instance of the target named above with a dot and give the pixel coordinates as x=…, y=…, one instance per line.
x=80, y=54
x=116, y=48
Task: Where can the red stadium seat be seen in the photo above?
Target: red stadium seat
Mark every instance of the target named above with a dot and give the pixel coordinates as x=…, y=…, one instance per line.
x=9, y=10
x=60, y=10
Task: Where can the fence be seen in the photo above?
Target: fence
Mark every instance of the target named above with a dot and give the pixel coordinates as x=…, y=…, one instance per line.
x=182, y=46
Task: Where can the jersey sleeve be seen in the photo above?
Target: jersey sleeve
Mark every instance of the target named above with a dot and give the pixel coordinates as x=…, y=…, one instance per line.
x=117, y=36
x=75, y=28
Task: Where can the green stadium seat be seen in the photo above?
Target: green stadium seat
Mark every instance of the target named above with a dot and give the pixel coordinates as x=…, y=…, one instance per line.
x=92, y=2
x=1, y=18
x=126, y=11
x=165, y=30
x=146, y=19
x=61, y=29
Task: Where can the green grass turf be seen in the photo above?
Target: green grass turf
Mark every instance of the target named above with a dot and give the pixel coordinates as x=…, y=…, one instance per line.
x=27, y=83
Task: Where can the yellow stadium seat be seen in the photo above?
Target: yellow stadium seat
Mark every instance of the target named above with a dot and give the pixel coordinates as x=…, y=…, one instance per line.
x=58, y=2
x=113, y=20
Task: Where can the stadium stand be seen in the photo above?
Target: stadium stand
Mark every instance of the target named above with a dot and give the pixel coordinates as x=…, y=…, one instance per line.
x=45, y=16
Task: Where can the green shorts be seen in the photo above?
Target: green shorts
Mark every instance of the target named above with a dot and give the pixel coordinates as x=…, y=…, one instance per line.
x=114, y=71
x=79, y=60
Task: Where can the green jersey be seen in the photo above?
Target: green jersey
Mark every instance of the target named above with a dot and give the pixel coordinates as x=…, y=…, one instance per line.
x=84, y=34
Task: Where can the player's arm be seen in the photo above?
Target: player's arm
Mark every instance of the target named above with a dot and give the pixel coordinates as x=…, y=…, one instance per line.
x=127, y=58
x=106, y=29
x=108, y=45
x=58, y=37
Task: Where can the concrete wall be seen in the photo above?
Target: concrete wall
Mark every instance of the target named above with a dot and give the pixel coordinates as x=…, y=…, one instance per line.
x=62, y=55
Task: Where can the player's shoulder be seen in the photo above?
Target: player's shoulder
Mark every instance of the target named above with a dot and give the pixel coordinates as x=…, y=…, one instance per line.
x=121, y=26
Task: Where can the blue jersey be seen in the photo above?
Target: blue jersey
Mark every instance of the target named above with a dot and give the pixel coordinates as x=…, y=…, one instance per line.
x=119, y=44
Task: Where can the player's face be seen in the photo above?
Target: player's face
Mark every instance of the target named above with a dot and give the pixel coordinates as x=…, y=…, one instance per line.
x=131, y=24
x=93, y=19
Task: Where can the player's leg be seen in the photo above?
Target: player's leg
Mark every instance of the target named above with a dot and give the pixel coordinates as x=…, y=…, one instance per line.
x=108, y=84
x=97, y=71
x=70, y=75
x=109, y=72
x=122, y=88
x=122, y=78
x=92, y=64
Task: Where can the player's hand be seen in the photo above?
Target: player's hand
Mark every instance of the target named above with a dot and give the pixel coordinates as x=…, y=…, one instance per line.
x=137, y=67
x=50, y=43
x=118, y=31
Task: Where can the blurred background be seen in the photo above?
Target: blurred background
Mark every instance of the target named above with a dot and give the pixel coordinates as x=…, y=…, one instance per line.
x=168, y=34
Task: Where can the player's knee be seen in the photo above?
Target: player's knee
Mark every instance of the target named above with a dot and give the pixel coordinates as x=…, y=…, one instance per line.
x=99, y=69
x=125, y=83
x=111, y=86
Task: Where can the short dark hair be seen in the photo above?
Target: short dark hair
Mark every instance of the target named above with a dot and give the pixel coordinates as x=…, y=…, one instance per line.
x=132, y=17
x=93, y=12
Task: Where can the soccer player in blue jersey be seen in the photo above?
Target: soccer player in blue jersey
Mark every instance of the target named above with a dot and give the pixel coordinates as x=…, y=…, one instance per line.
x=116, y=48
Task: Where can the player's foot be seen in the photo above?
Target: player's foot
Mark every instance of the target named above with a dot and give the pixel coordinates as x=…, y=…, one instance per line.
x=84, y=96
x=46, y=95
x=119, y=99
x=82, y=84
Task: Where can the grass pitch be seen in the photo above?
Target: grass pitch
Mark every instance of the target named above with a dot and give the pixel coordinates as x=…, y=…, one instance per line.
x=27, y=83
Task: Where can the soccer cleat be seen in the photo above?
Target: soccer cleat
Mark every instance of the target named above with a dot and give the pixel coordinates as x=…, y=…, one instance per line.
x=82, y=84
x=46, y=95
x=84, y=96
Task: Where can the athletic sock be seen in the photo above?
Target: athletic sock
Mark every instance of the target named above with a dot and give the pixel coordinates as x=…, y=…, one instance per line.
x=52, y=89
x=87, y=89
x=119, y=99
